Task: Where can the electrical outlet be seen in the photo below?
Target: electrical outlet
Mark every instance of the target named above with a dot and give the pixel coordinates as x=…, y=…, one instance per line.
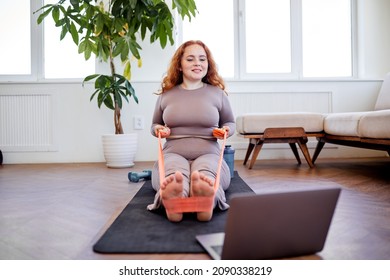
x=139, y=122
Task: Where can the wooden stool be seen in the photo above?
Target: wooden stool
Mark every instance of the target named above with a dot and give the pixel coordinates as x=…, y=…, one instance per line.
x=290, y=135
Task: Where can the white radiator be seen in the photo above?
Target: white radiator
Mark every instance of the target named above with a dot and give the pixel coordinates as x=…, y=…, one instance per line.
x=26, y=122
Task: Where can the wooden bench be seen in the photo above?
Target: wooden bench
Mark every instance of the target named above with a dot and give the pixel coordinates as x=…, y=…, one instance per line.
x=290, y=135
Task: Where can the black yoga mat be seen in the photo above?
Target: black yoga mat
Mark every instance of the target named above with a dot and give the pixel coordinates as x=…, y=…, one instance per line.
x=137, y=230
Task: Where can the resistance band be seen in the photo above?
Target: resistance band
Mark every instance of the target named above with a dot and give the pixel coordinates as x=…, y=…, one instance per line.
x=193, y=203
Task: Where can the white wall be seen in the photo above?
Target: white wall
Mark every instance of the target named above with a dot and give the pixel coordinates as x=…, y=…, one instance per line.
x=373, y=38
x=78, y=124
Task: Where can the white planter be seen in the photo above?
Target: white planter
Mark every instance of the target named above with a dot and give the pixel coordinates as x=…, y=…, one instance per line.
x=119, y=149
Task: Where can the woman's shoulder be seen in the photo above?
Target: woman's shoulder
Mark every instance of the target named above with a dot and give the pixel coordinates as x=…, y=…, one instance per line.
x=215, y=89
x=169, y=91
x=174, y=89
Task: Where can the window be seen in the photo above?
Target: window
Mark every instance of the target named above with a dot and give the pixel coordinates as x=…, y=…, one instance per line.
x=61, y=58
x=268, y=36
x=214, y=25
x=326, y=38
x=277, y=38
x=22, y=55
x=250, y=39
x=15, y=51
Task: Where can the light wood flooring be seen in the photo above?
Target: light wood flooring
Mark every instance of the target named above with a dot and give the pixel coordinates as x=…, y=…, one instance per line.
x=58, y=211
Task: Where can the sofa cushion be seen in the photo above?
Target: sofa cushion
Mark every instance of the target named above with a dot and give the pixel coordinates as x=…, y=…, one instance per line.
x=258, y=122
x=383, y=100
x=343, y=124
x=375, y=124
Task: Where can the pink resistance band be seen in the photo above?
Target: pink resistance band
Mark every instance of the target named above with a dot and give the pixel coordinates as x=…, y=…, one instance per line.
x=193, y=203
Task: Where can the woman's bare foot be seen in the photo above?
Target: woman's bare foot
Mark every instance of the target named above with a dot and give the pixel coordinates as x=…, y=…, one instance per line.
x=201, y=185
x=172, y=187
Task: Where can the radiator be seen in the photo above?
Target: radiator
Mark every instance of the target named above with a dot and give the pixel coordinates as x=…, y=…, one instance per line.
x=26, y=122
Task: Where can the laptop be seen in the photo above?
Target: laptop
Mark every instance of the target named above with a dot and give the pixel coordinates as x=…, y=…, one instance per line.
x=274, y=225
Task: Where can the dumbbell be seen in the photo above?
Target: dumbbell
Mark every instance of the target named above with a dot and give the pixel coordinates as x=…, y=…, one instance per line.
x=136, y=176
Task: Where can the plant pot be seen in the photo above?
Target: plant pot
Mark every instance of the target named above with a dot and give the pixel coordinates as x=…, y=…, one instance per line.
x=119, y=149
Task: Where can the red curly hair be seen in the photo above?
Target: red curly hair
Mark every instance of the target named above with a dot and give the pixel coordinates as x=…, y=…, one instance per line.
x=174, y=75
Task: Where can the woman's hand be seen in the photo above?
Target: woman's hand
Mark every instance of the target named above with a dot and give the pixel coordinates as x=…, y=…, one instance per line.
x=220, y=132
x=163, y=130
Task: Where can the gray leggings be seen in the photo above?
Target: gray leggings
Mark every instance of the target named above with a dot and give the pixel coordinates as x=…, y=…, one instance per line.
x=206, y=164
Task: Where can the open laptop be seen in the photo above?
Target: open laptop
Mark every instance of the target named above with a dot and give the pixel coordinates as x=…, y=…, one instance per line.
x=274, y=225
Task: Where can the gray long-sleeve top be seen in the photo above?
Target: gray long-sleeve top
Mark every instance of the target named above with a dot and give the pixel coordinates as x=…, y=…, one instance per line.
x=193, y=113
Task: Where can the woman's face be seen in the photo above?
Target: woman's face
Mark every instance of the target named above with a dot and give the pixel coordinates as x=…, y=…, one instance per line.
x=194, y=63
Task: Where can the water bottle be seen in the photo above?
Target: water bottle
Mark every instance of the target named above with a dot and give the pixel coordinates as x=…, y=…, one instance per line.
x=228, y=156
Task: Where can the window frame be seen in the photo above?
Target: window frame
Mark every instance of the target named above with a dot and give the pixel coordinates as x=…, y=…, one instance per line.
x=243, y=75
x=296, y=48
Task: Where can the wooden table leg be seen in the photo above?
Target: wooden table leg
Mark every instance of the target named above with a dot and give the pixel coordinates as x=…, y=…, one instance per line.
x=256, y=153
x=251, y=145
x=295, y=151
x=320, y=145
x=305, y=151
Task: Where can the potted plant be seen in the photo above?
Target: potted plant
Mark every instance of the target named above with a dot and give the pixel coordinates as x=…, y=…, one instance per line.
x=112, y=29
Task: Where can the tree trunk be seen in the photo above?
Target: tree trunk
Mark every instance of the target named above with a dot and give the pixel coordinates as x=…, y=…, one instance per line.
x=117, y=120
x=117, y=112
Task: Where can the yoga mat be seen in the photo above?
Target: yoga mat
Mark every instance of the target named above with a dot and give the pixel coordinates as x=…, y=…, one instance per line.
x=137, y=230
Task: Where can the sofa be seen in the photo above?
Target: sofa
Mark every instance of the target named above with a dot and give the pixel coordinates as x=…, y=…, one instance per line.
x=369, y=129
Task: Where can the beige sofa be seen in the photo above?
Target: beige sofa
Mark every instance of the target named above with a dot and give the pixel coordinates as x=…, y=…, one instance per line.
x=370, y=130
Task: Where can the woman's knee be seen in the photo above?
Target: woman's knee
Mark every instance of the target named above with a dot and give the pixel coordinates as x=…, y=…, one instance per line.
x=175, y=162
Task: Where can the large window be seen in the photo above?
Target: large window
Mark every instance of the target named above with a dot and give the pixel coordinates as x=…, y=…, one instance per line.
x=277, y=38
x=250, y=39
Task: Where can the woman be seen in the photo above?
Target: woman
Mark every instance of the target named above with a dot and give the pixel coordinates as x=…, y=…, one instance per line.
x=192, y=105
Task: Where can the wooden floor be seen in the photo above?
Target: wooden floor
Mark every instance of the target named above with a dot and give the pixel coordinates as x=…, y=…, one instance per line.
x=58, y=211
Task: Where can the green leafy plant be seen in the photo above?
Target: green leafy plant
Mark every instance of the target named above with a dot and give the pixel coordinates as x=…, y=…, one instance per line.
x=113, y=28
